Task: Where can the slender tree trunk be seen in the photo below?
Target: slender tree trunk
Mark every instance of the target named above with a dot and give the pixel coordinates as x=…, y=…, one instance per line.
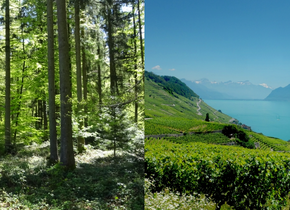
x=99, y=76
x=36, y=114
x=113, y=75
x=20, y=97
x=84, y=67
x=44, y=119
x=67, y=154
x=40, y=118
x=79, y=71
x=141, y=39
x=85, y=83
x=135, y=65
x=8, y=145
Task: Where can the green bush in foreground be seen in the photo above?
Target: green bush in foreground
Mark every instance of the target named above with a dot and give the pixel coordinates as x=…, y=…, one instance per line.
x=168, y=200
x=239, y=177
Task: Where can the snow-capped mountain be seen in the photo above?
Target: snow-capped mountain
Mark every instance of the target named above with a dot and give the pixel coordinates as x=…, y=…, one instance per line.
x=228, y=90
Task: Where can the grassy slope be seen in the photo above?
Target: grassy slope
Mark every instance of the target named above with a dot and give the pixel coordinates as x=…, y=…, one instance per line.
x=159, y=103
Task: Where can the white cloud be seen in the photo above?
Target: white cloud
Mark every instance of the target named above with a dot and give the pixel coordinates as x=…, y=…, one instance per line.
x=265, y=85
x=171, y=69
x=157, y=67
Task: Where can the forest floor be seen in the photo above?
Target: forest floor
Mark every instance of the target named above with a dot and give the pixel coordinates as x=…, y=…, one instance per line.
x=99, y=181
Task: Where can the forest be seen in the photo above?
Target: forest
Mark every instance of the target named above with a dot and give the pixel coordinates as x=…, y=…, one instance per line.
x=72, y=104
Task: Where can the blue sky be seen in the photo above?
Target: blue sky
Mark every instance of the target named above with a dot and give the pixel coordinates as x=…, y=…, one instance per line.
x=220, y=40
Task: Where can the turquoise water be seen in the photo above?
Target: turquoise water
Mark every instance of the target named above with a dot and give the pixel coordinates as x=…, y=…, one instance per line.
x=272, y=118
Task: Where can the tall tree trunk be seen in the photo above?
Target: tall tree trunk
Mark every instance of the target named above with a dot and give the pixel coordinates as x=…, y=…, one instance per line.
x=85, y=66
x=19, y=103
x=141, y=39
x=67, y=154
x=21, y=88
x=99, y=75
x=113, y=74
x=85, y=83
x=8, y=145
x=135, y=66
x=44, y=119
x=79, y=71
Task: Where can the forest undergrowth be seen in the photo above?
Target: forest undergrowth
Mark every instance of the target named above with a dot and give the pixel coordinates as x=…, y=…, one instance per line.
x=100, y=180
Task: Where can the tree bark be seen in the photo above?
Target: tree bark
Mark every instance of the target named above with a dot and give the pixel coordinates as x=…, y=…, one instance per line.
x=113, y=75
x=8, y=145
x=44, y=119
x=99, y=75
x=66, y=154
x=84, y=68
x=135, y=65
x=141, y=39
x=79, y=71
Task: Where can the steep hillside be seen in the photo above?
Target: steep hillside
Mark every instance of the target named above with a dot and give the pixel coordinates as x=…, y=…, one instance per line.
x=169, y=97
x=172, y=85
x=279, y=94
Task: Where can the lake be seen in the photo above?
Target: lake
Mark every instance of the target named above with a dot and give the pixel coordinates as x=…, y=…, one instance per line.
x=272, y=118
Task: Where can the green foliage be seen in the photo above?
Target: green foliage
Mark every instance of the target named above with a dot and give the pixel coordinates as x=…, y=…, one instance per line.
x=172, y=85
x=242, y=136
x=116, y=129
x=166, y=199
x=210, y=138
x=159, y=103
x=271, y=143
x=230, y=130
x=182, y=125
x=153, y=128
x=27, y=183
x=247, y=144
x=243, y=178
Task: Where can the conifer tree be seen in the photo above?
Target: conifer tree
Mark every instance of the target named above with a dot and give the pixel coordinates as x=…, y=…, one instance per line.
x=207, y=117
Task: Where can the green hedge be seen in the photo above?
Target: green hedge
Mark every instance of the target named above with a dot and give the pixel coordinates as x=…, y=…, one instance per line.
x=241, y=177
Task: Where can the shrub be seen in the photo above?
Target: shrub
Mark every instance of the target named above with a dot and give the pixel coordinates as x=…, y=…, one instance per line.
x=230, y=130
x=243, y=136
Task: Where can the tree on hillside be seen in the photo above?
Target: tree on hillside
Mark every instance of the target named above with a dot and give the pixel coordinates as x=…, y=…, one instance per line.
x=207, y=117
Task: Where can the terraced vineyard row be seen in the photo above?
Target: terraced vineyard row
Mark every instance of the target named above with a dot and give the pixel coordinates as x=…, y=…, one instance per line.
x=210, y=138
x=263, y=146
x=275, y=144
x=185, y=125
x=155, y=129
x=241, y=177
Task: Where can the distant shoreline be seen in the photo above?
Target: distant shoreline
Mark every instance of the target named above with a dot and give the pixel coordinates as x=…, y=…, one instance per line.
x=246, y=100
x=236, y=99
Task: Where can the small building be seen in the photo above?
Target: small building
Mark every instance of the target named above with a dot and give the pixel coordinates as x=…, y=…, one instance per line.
x=246, y=127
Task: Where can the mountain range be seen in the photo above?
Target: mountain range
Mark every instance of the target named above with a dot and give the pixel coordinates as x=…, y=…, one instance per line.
x=279, y=94
x=228, y=90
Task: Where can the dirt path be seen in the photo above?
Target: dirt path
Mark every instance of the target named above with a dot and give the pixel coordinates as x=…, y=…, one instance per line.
x=231, y=120
x=198, y=110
